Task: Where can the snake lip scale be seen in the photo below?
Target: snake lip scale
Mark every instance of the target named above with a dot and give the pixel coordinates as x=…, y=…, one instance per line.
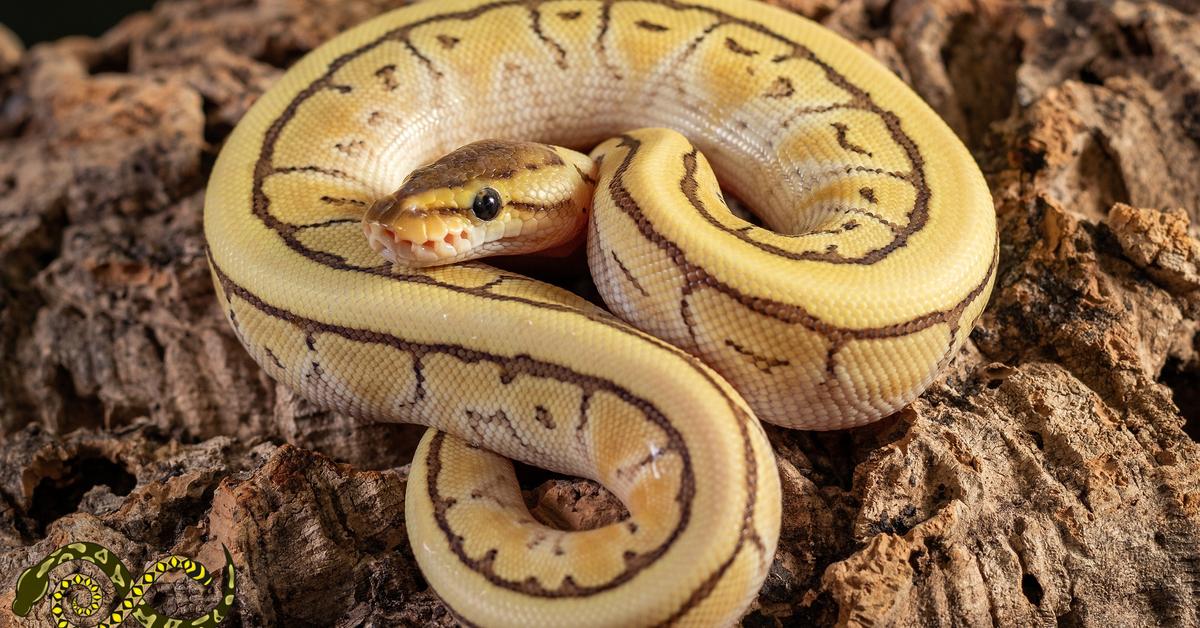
x=337, y=195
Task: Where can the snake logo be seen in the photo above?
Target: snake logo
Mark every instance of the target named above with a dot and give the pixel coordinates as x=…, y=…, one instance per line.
x=84, y=595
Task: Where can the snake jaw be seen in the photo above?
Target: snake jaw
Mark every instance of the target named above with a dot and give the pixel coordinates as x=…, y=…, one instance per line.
x=422, y=243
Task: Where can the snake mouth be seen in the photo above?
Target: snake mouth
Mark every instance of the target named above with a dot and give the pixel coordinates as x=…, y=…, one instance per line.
x=441, y=247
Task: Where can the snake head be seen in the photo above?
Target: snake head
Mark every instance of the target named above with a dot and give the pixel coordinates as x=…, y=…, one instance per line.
x=31, y=588
x=494, y=197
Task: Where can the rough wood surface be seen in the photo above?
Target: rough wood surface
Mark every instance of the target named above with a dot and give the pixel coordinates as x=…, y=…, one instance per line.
x=1052, y=476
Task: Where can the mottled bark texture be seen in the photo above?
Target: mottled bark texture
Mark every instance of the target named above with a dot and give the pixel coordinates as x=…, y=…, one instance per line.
x=1052, y=476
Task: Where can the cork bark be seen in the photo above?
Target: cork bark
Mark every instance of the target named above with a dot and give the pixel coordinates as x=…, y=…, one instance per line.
x=1051, y=476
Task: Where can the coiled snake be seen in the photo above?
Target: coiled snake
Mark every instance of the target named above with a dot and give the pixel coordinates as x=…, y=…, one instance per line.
x=878, y=254
x=33, y=585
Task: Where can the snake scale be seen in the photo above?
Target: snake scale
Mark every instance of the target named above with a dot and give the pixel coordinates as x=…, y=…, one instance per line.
x=876, y=254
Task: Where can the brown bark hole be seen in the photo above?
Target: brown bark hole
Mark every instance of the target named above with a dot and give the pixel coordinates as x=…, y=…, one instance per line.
x=981, y=64
x=60, y=491
x=1101, y=183
x=1184, y=383
x=566, y=503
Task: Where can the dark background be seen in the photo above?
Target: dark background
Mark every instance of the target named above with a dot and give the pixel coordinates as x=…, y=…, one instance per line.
x=42, y=20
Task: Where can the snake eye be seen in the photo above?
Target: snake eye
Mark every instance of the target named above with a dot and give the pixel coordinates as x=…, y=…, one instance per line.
x=487, y=204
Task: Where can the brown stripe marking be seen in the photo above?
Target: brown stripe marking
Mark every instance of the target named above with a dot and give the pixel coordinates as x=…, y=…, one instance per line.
x=332, y=222
x=694, y=45
x=761, y=362
x=628, y=275
x=560, y=53
x=387, y=76
x=340, y=200
x=781, y=88
x=811, y=110
x=541, y=209
x=601, y=44
x=589, y=179
x=849, y=225
x=274, y=359
x=448, y=41
x=425, y=61
x=647, y=460
x=477, y=420
x=570, y=16
x=902, y=176
x=868, y=194
x=874, y=216
x=736, y=48
x=844, y=141
x=678, y=84
x=651, y=26
x=330, y=172
x=352, y=148
x=376, y=118
x=581, y=426
x=539, y=537
x=542, y=415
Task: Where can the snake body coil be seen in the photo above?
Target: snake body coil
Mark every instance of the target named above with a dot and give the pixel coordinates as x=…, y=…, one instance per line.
x=878, y=254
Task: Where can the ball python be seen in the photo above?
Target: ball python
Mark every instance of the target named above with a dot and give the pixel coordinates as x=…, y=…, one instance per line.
x=33, y=585
x=336, y=196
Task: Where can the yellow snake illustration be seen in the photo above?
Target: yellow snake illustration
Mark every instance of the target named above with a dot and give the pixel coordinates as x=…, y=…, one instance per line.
x=129, y=593
x=329, y=210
